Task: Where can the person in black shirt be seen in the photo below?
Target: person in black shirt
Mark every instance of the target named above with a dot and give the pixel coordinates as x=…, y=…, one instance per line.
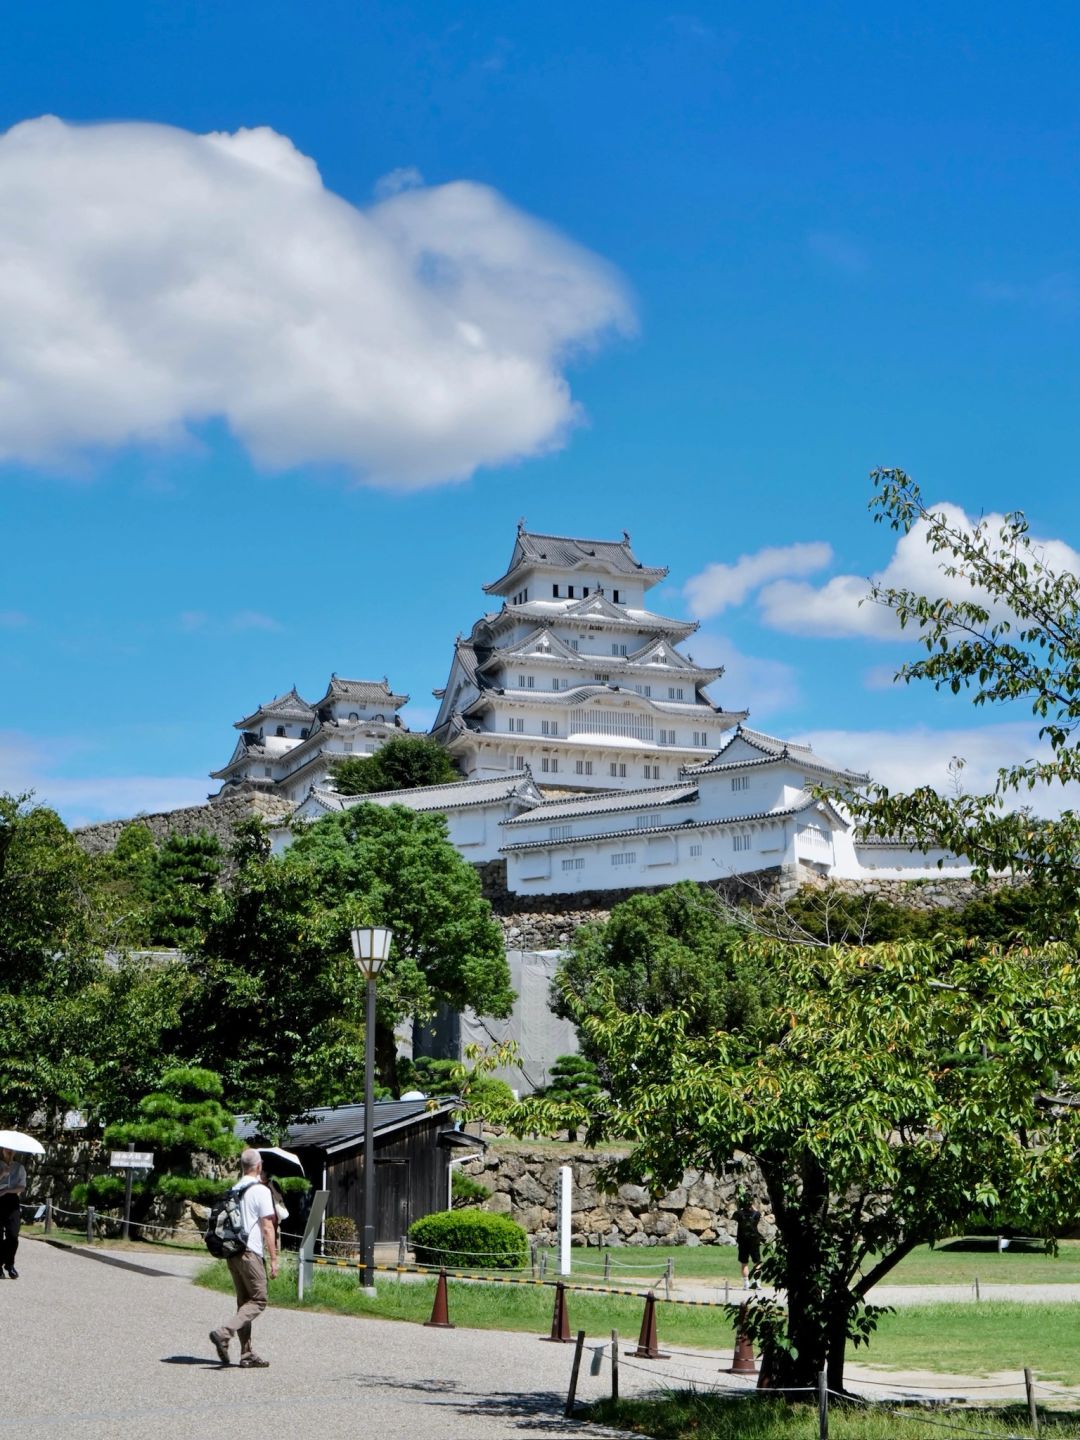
x=747, y=1235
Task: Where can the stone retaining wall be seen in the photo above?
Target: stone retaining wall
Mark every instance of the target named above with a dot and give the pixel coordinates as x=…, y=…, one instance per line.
x=524, y=1185
x=219, y=819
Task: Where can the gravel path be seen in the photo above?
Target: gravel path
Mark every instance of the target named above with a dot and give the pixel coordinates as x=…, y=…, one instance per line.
x=112, y=1351
x=108, y=1352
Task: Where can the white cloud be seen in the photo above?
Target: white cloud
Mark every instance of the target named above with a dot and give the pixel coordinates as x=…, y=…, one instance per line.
x=904, y=759
x=151, y=279
x=834, y=608
x=719, y=585
x=13, y=619
x=749, y=681
x=28, y=764
x=254, y=620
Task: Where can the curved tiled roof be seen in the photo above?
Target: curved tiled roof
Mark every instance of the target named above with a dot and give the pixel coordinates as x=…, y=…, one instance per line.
x=289, y=706
x=565, y=552
x=363, y=692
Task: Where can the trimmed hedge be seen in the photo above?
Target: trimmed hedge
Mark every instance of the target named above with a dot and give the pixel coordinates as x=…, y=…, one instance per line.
x=469, y=1240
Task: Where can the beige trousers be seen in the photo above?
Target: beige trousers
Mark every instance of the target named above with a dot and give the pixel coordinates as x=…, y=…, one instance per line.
x=249, y=1281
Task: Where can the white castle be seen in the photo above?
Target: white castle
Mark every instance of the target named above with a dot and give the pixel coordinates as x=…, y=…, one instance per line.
x=592, y=757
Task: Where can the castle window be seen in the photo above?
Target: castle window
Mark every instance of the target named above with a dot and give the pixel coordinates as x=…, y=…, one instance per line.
x=573, y=644
x=353, y=715
x=304, y=733
x=573, y=862
x=516, y=727
x=695, y=852
x=602, y=679
x=280, y=732
x=646, y=689
x=618, y=771
x=618, y=649
x=519, y=762
x=674, y=693
x=652, y=772
x=267, y=771
x=740, y=782
x=585, y=591
x=530, y=682
x=741, y=840
x=555, y=592
x=549, y=767
x=701, y=737
x=624, y=857
x=549, y=727
x=615, y=596
x=667, y=737
x=560, y=832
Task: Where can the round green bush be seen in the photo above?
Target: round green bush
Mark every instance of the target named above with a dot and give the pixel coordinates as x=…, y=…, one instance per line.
x=469, y=1240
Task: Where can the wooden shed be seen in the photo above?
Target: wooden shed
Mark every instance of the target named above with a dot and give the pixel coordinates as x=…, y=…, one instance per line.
x=413, y=1149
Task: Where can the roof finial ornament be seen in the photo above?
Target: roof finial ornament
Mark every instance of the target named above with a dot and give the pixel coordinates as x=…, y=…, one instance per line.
x=626, y=537
x=521, y=525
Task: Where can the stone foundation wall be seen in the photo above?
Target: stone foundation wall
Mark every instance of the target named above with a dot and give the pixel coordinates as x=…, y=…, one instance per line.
x=524, y=1185
x=219, y=819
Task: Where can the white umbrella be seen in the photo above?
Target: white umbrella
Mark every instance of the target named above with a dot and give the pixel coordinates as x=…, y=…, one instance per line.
x=283, y=1160
x=16, y=1140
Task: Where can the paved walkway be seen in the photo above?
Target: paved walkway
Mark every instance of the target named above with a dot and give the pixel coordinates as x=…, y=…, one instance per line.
x=120, y=1352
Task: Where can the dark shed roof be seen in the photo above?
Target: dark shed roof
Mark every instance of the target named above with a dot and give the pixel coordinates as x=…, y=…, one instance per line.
x=340, y=1127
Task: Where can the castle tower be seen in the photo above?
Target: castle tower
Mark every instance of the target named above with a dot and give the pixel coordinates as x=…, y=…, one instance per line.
x=575, y=678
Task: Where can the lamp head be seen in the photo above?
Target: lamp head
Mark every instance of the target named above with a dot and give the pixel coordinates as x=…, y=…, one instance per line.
x=371, y=947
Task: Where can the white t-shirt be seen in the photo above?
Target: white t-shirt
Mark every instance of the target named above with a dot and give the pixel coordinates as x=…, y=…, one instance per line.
x=256, y=1202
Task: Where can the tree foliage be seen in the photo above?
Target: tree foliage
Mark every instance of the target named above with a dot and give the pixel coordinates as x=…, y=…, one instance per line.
x=403, y=763
x=886, y=1093
x=1013, y=639
x=671, y=948
x=182, y=1118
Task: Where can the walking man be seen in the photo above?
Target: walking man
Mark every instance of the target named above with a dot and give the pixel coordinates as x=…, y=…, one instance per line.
x=12, y=1186
x=747, y=1235
x=248, y=1270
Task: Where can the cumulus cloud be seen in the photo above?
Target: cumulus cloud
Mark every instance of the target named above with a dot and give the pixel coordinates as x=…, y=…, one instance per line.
x=152, y=279
x=834, y=609
x=719, y=585
x=752, y=682
x=904, y=759
x=29, y=764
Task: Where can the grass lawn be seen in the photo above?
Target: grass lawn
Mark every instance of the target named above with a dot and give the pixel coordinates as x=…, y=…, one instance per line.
x=954, y=1262
x=686, y=1415
x=144, y=1247
x=972, y=1339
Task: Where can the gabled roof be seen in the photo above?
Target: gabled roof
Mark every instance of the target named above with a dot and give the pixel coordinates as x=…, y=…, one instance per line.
x=803, y=801
x=607, y=802
x=340, y=1127
x=673, y=660
x=362, y=692
x=769, y=747
x=454, y=795
x=601, y=612
x=289, y=706
x=563, y=552
x=541, y=643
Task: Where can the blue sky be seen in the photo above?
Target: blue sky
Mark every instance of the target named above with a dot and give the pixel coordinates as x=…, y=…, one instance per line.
x=271, y=405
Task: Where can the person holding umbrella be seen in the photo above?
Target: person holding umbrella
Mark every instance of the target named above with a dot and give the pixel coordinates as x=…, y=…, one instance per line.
x=12, y=1188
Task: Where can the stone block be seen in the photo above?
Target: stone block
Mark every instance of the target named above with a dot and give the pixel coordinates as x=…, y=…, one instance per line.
x=696, y=1219
x=527, y=1187
x=633, y=1195
x=674, y=1199
x=499, y=1204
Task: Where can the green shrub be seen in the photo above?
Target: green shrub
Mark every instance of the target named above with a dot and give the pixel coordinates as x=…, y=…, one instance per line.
x=469, y=1240
x=464, y=1190
x=339, y=1232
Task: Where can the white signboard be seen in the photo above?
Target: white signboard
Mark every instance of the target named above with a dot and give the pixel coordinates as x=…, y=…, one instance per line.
x=132, y=1159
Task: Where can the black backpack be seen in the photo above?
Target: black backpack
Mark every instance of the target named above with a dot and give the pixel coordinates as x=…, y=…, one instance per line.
x=225, y=1231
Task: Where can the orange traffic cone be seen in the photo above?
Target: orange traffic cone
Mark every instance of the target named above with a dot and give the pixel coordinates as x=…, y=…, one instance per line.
x=647, y=1348
x=742, y=1362
x=560, y=1320
x=440, y=1311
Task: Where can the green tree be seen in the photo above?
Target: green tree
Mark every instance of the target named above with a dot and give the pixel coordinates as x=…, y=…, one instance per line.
x=888, y=1091
x=185, y=888
x=51, y=939
x=1012, y=638
x=278, y=1008
x=671, y=948
x=403, y=763
x=574, y=1079
x=182, y=1118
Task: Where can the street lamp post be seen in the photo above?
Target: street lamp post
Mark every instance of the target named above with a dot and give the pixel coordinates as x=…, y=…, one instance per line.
x=371, y=946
